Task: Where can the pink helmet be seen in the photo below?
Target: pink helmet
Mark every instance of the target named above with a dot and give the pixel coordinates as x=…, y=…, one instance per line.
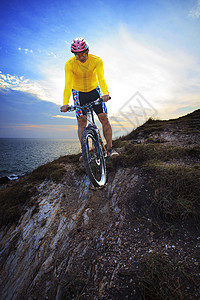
x=79, y=45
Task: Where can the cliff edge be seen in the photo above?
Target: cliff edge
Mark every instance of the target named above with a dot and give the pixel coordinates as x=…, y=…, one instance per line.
x=137, y=238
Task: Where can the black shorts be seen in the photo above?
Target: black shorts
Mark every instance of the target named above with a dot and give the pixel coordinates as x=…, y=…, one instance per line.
x=82, y=98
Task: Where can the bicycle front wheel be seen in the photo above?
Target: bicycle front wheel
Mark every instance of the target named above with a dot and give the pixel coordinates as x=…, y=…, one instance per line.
x=93, y=159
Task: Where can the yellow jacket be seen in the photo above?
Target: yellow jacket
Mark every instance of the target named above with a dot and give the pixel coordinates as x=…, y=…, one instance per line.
x=83, y=77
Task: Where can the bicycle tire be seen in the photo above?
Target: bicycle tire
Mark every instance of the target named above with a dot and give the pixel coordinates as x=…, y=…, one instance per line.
x=95, y=166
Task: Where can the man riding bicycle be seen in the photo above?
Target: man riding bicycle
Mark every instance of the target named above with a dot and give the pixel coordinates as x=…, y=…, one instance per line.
x=84, y=78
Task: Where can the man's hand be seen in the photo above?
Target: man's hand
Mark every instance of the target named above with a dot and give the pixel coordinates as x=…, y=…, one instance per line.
x=105, y=98
x=64, y=108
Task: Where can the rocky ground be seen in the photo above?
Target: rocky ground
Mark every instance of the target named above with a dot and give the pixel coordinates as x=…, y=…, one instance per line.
x=138, y=238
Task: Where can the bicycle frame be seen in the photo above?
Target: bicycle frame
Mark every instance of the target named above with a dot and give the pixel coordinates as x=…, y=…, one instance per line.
x=88, y=109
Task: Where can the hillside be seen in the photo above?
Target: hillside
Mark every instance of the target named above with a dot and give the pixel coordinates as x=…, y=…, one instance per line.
x=135, y=239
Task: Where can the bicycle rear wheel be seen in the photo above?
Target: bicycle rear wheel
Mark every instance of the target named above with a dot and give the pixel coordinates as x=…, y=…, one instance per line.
x=94, y=163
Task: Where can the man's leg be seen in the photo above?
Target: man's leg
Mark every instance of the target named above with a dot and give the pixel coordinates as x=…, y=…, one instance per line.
x=82, y=122
x=107, y=130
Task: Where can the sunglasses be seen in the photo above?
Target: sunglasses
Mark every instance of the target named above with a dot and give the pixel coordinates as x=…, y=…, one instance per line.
x=83, y=54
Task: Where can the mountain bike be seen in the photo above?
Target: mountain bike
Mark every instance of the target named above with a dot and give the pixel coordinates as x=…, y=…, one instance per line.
x=93, y=149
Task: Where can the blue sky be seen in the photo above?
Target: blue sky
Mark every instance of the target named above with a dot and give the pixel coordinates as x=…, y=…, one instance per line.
x=150, y=50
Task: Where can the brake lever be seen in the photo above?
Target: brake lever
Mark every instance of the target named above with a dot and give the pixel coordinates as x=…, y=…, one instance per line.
x=99, y=100
x=70, y=108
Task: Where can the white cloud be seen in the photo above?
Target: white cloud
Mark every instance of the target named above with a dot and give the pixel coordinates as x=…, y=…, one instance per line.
x=50, y=89
x=16, y=83
x=51, y=54
x=53, y=83
x=163, y=78
x=26, y=51
x=195, y=11
x=64, y=117
x=38, y=51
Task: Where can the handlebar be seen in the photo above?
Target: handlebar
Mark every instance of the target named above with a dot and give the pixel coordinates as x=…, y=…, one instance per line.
x=86, y=106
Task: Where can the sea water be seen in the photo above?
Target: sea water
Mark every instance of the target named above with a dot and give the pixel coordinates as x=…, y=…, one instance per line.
x=19, y=156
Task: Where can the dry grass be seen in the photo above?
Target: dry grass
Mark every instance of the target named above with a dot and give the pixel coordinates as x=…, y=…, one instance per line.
x=167, y=279
x=51, y=171
x=176, y=191
x=140, y=154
